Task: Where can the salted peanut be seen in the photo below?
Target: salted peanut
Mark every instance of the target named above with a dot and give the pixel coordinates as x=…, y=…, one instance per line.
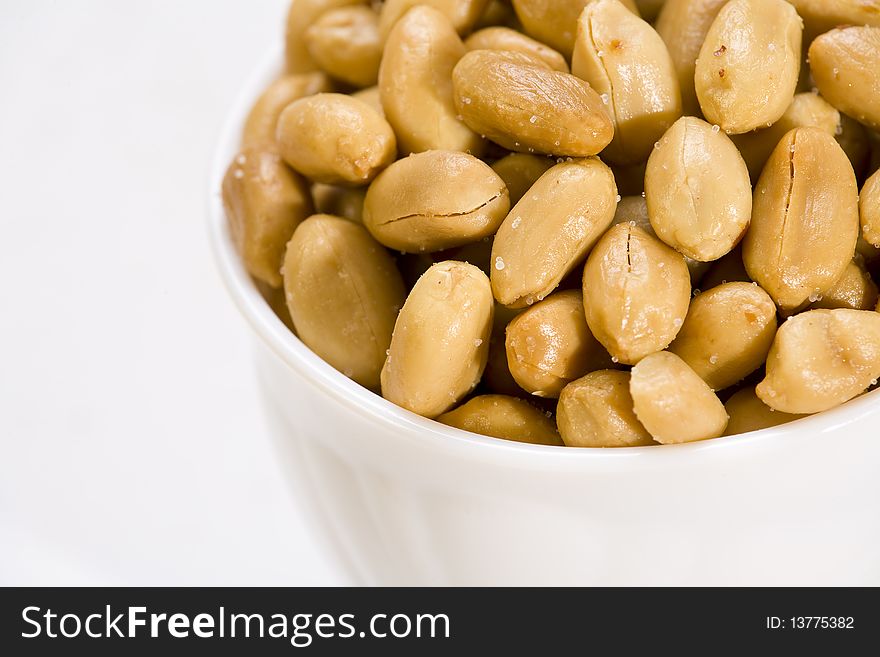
x=462, y=14
x=673, y=403
x=301, y=15
x=820, y=16
x=520, y=171
x=626, y=61
x=261, y=122
x=727, y=333
x=335, y=139
x=683, y=25
x=519, y=102
x=441, y=340
x=347, y=202
x=804, y=219
x=345, y=43
x=550, y=231
x=435, y=200
x=415, y=84
x=748, y=66
x=636, y=293
x=748, y=413
x=554, y=22
x=501, y=416
x=504, y=38
x=820, y=359
x=806, y=110
x=265, y=201
x=845, y=64
x=597, y=411
x=697, y=190
x=371, y=97
x=728, y=269
x=550, y=345
x=853, y=139
x=869, y=209
x=854, y=290
x=343, y=292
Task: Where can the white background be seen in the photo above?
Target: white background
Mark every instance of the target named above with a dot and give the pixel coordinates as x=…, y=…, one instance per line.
x=133, y=445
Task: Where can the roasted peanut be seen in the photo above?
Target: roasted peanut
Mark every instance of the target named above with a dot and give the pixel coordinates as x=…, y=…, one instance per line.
x=626, y=61
x=697, y=190
x=462, y=14
x=550, y=345
x=264, y=201
x=504, y=38
x=727, y=333
x=748, y=66
x=371, y=97
x=335, y=139
x=441, y=340
x=520, y=171
x=262, y=121
x=345, y=43
x=597, y=411
x=522, y=104
x=636, y=293
x=300, y=17
x=846, y=68
x=551, y=230
x=748, y=413
x=415, y=84
x=854, y=290
x=673, y=403
x=435, y=200
x=820, y=16
x=504, y=417
x=820, y=359
x=804, y=220
x=343, y=292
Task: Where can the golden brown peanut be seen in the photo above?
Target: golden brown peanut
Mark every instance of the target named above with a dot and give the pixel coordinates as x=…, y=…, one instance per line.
x=261, y=122
x=804, y=219
x=846, y=68
x=727, y=333
x=683, y=25
x=597, y=411
x=504, y=38
x=441, y=340
x=435, y=200
x=820, y=16
x=748, y=66
x=520, y=171
x=673, y=403
x=626, y=61
x=820, y=359
x=854, y=290
x=347, y=202
x=697, y=190
x=636, y=293
x=634, y=210
x=301, y=15
x=806, y=110
x=550, y=231
x=264, y=201
x=728, y=269
x=371, y=97
x=554, y=22
x=343, y=292
x=345, y=43
x=500, y=416
x=869, y=209
x=550, y=345
x=748, y=413
x=335, y=139
x=520, y=103
x=415, y=84
x=462, y=14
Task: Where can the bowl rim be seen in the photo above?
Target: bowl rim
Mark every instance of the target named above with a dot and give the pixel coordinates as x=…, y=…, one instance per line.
x=294, y=353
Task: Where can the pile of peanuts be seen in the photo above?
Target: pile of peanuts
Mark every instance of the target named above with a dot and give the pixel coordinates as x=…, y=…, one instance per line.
x=592, y=223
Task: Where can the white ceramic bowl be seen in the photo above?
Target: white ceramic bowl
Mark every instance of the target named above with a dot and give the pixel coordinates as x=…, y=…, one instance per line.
x=404, y=500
